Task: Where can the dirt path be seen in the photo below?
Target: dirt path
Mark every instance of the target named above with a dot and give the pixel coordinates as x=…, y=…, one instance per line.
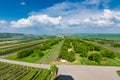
x=26, y=63
x=77, y=72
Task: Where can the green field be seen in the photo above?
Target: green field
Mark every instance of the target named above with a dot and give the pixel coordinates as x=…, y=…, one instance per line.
x=74, y=51
x=49, y=53
x=97, y=50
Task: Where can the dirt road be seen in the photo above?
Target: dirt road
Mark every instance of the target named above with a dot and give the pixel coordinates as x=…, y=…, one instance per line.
x=77, y=72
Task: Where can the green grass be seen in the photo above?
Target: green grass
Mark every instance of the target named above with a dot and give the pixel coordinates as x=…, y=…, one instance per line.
x=31, y=58
x=118, y=72
x=51, y=55
x=103, y=62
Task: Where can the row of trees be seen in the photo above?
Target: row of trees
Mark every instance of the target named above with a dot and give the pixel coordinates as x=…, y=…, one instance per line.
x=81, y=47
x=37, y=50
x=65, y=54
x=16, y=48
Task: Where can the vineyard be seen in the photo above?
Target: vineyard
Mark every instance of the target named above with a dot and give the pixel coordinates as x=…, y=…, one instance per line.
x=73, y=51
x=19, y=72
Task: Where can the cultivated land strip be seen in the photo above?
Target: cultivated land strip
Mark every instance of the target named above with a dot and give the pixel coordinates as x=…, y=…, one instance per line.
x=77, y=72
x=104, y=46
x=19, y=44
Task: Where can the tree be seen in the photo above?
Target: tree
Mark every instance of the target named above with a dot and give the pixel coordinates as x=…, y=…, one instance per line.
x=38, y=52
x=54, y=70
x=108, y=54
x=95, y=57
x=84, y=51
x=24, y=53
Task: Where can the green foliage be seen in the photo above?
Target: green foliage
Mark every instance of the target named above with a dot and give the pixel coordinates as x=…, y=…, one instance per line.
x=84, y=51
x=53, y=68
x=115, y=45
x=108, y=54
x=95, y=57
x=16, y=47
x=19, y=72
x=118, y=72
x=24, y=53
x=64, y=54
x=97, y=48
x=37, y=50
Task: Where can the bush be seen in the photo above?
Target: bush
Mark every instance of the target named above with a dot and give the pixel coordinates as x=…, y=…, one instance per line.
x=54, y=71
x=71, y=57
x=53, y=68
x=108, y=54
x=84, y=51
x=24, y=53
x=95, y=57
x=97, y=48
x=39, y=52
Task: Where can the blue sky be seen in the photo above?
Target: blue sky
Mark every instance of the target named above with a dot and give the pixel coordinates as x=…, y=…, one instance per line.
x=59, y=16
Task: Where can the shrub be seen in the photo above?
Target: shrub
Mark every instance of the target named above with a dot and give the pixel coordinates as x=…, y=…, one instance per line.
x=84, y=51
x=39, y=52
x=53, y=68
x=108, y=54
x=54, y=71
x=95, y=57
x=24, y=53
x=71, y=56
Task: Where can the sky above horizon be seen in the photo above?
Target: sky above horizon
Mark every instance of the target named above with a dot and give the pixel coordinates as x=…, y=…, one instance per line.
x=59, y=16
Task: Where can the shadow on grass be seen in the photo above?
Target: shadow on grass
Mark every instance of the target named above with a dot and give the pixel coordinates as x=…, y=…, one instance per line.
x=64, y=77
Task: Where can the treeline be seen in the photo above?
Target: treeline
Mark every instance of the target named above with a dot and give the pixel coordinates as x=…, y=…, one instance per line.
x=65, y=53
x=38, y=50
x=110, y=42
x=10, y=35
x=16, y=48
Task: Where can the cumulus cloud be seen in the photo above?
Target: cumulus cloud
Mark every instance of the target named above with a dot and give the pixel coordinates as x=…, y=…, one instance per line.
x=107, y=18
x=68, y=16
x=36, y=20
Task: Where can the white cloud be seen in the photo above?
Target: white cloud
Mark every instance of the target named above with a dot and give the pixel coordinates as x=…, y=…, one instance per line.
x=36, y=20
x=21, y=23
x=23, y=3
x=72, y=15
x=97, y=3
x=3, y=24
x=67, y=16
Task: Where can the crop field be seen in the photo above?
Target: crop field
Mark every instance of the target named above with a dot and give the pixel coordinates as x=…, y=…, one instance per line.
x=73, y=51
x=18, y=46
x=99, y=52
x=19, y=72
